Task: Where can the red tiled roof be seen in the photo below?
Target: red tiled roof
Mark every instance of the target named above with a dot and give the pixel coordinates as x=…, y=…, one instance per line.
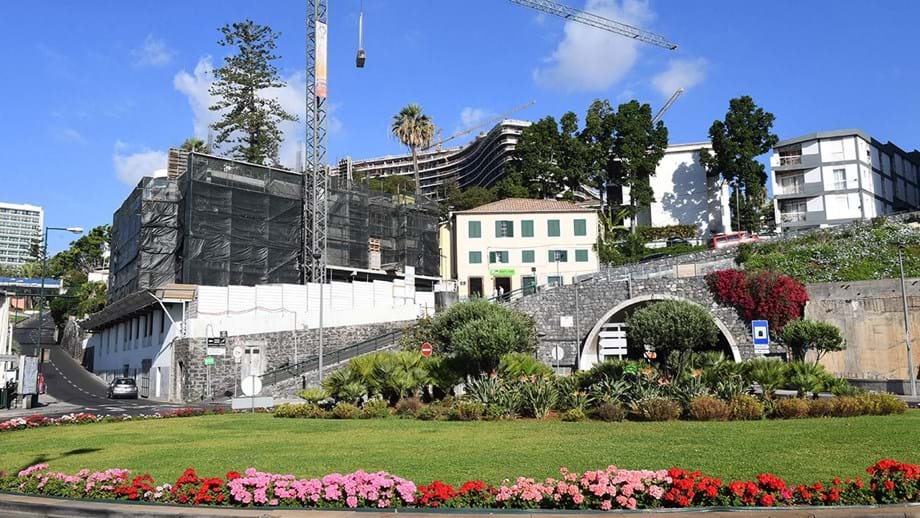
x=524, y=205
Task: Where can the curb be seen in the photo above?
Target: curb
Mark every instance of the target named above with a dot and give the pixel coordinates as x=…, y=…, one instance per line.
x=16, y=506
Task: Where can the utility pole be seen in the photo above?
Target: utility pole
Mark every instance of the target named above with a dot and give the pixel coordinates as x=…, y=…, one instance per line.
x=911, y=373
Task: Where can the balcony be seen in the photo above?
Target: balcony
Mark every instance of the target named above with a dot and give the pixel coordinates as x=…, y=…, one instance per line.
x=792, y=217
x=790, y=160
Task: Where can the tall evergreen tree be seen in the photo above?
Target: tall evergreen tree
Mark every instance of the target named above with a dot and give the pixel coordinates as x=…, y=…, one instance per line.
x=638, y=145
x=737, y=141
x=249, y=122
x=597, y=137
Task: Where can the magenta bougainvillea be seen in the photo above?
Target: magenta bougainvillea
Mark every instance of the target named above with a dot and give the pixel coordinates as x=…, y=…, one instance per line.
x=762, y=295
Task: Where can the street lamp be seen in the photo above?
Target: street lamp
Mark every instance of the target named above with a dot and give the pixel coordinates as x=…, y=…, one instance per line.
x=316, y=258
x=911, y=374
x=41, y=293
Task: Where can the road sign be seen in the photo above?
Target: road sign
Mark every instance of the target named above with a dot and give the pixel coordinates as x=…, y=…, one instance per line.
x=216, y=351
x=251, y=385
x=558, y=353
x=426, y=349
x=215, y=341
x=566, y=321
x=760, y=332
x=209, y=360
x=237, y=354
x=9, y=357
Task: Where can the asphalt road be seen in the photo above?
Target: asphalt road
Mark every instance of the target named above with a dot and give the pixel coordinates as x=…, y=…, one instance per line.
x=72, y=387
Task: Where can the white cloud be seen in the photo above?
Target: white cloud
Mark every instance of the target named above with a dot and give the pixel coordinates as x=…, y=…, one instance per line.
x=681, y=73
x=470, y=116
x=590, y=59
x=131, y=167
x=196, y=86
x=69, y=135
x=153, y=52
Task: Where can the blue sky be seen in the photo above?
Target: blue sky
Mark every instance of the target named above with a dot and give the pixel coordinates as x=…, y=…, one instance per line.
x=92, y=96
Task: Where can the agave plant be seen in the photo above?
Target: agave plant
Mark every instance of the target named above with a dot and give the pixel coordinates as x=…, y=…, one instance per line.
x=610, y=391
x=686, y=389
x=538, y=395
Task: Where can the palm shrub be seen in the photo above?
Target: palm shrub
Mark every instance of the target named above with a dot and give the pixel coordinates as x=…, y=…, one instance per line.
x=769, y=374
x=673, y=326
x=841, y=387
x=313, y=395
x=538, y=395
x=808, y=378
x=516, y=365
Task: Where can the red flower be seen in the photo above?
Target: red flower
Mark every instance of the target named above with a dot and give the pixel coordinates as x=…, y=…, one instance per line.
x=767, y=500
x=889, y=485
x=232, y=475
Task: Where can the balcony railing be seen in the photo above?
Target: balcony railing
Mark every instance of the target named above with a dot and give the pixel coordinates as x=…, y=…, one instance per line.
x=793, y=188
x=790, y=160
x=792, y=217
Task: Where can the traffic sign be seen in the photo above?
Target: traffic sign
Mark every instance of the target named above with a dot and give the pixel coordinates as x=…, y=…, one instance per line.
x=209, y=360
x=251, y=386
x=237, y=354
x=760, y=331
x=426, y=349
x=216, y=351
x=566, y=321
x=558, y=353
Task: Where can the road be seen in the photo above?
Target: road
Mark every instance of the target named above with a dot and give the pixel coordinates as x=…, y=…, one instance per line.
x=71, y=387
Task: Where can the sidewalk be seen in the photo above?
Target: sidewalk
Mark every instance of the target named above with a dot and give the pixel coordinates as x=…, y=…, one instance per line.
x=47, y=405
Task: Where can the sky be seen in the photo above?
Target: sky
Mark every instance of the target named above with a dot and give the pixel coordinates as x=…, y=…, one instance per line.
x=95, y=92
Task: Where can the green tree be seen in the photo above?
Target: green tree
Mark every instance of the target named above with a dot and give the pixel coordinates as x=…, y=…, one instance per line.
x=801, y=336
x=413, y=129
x=536, y=163
x=737, y=141
x=597, y=137
x=395, y=184
x=672, y=326
x=473, y=197
x=638, y=145
x=193, y=144
x=250, y=120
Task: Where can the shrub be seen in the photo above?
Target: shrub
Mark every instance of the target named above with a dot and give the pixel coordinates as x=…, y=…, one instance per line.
x=881, y=404
x=294, y=410
x=495, y=391
x=791, y=408
x=466, y=411
x=313, y=395
x=841, y=387
x=708, y=408
x=801, y=336
x=808, y=378
x=343, y=410
x=495, y=413
x=574, y=415
x=746, y=408
x=516, y=365
x=408, y=406
x=846, y=406
x=760, y=295
x=657, y=409
x=538, y=396
x=375, y=408
x=673, y=325
x=769, y=374
x=430, y=413
x=610, y=411
x=820, y=408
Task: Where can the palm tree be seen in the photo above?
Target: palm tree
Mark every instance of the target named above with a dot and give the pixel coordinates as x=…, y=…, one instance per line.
x=194, y=144
x=413, y=129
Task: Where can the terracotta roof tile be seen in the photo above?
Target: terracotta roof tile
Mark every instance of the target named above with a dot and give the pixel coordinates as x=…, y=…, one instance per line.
x=524, y=205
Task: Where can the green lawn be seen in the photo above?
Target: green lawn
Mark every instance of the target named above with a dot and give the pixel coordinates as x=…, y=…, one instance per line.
x=801, y=451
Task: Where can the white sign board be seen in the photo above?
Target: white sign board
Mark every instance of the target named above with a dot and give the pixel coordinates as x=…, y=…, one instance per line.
x=558, y=353
x=252, y=385
x=566, y=321
x=9, y=357
x=237, y=354
x=217, y=351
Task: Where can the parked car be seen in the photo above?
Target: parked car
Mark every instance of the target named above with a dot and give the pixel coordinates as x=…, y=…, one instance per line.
x=677, y=241
x=122, y=388
x=733, y=239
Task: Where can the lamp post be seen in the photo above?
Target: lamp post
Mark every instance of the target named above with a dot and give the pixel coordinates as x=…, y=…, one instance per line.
x=316, y=258
x=911, y=374
x=41, y=293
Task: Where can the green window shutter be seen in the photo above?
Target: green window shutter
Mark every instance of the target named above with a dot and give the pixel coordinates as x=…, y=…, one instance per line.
x=553, y=228
x=581, y=256
x=475, y=229
x=475, y=257
x=499, y=231
x=491, y=257
x=527, y=228
x=581, y=227
x=504, y=228
x=562, y=254
x=504, y=257
x=509, y=227
x=527, y=256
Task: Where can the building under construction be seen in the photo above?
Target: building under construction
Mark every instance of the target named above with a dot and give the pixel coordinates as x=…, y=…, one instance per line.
x=219, y=222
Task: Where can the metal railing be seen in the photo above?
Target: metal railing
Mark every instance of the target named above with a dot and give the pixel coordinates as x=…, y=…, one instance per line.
x=792, y=217
x=331, y=358
x=790, y=160
x=518, y=293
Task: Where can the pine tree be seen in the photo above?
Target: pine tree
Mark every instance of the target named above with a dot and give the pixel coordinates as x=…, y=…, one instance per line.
x=249, y=120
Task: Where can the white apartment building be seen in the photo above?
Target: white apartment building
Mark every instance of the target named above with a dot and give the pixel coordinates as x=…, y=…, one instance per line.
x=20, y=225
x=685, y=194
x=519, y=243
x=834, y=177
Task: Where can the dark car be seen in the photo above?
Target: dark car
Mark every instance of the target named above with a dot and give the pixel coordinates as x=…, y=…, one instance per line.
x=677, y=241
x=122, y=388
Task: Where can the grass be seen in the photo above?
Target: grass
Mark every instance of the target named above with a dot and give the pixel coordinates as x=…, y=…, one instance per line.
x=801, y=451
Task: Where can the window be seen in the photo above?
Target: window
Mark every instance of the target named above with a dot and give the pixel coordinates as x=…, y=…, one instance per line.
x=840, y=179
x=581, y=256
x=792, y=184
x=475, y=229
x=581, y=227
x=504, y=228
x=554, y=280
x=527, y=228
x=500, y=256
x=162, y=321
x=552, y=228
x=475, y=257
x=527, y=256
x=558, y=255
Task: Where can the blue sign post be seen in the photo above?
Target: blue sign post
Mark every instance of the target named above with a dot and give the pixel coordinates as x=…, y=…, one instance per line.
x=760, y=332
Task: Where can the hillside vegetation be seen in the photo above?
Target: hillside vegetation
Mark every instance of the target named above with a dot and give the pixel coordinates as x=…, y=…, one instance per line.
x=863, y=251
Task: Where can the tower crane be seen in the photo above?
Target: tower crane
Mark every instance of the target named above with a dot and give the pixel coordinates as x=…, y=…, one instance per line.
x=597, y=21
x=487, y=122
x=667, y=105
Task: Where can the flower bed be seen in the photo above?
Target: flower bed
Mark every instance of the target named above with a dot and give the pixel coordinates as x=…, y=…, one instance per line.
x=888, y=482
x=38, y=421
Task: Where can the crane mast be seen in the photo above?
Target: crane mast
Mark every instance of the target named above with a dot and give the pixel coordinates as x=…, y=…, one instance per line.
x=482, y=124
x=667, y=105
x=597, y=21
x=315, y=175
